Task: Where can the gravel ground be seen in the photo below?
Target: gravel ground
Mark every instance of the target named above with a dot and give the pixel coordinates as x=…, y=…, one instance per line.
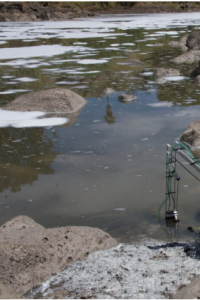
x=150, y=270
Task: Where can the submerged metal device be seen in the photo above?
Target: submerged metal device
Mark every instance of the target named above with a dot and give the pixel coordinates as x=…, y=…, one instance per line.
x=171, y=186
x=173, y=178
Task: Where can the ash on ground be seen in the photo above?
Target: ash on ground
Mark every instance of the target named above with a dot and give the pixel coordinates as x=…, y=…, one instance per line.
x=149, y=270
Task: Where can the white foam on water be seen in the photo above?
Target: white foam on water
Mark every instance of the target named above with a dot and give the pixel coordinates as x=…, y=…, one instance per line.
x=174, y=78
x=13, y=92
x=120, y=209
x=20, y=62
x=128, y=44
x=2, y=42
x=7, y=77
x=112, y=48
x=80, y=43
x=146, y=73
x=26, y=79
x=67, y=82
x=37, y=51
x=97, y=27
x=167, y=32
x=92, y=61
x=20, y=119
x=114, y=45
x=145, y=139
x=189, y=101
x=84, y=72
x=161, y=104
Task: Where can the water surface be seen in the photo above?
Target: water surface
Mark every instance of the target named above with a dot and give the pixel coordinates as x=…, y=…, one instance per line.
x=105, y=165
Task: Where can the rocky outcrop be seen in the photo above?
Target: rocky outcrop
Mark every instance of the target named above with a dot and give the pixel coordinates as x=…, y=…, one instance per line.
x=187, y=57
x=193, y=40
x=51, y=100
x=126, y=98
x=191, y=135
x=30, y=254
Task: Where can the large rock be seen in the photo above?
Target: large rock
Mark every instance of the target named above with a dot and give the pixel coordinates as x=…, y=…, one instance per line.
x=195, y=72
x=126, y=98
x=181, y=43
x=52, y=100
x=30, y=254
x=191, y=135
x=166, y=72
x=193, y=40
x=187, y=57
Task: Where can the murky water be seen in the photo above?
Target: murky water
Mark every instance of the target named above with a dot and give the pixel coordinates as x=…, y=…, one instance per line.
x=105, y=167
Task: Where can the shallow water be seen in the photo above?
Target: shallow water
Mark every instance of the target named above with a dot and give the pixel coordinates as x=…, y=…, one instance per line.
x=105, y=165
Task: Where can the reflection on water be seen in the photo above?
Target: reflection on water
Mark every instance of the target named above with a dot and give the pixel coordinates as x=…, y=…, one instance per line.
x=109, y=117
x=106, y=166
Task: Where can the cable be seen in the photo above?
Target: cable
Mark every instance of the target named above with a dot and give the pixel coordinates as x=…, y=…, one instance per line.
x=189, y=157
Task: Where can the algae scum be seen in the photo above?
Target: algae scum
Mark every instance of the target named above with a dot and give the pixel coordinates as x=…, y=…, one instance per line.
x=105, y=165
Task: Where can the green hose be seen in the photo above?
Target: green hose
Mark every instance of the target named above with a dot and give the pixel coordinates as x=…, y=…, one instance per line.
x=170, y=178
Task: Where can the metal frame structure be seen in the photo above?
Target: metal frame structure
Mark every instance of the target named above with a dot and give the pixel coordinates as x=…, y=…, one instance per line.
x=173, y=178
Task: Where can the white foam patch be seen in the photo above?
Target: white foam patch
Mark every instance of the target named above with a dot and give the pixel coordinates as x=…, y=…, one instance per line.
x=120, y=209
x=26, y=79
x=82, y=73
x=92, y=61
x=174, y=78
x=161, y=104
x=20, y=62
x=97, y=27
x=7, y=92
x=37, y=51
x=146, y=73
x=128, y=44
x=167, y=32
x=28, y=119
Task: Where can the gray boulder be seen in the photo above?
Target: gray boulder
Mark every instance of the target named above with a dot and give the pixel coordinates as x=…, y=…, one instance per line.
x=126, y=98
x=195, y=72
x=187, y=57
x=193, y=40
x=160, y=80
x=181, y=43
x=51, y=100
x=191, y=135
x=166, y=72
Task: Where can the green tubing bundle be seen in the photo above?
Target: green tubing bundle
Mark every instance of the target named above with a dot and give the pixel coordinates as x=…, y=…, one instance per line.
x=168, y=166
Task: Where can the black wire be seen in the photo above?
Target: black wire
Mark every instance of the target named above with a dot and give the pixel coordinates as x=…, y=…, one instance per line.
x=177, y=195
x=187, y=169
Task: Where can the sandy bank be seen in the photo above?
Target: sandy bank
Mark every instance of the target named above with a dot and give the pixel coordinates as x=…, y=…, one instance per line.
x=30, y=254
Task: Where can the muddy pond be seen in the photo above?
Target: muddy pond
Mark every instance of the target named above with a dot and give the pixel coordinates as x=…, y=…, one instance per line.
x=105, y=166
